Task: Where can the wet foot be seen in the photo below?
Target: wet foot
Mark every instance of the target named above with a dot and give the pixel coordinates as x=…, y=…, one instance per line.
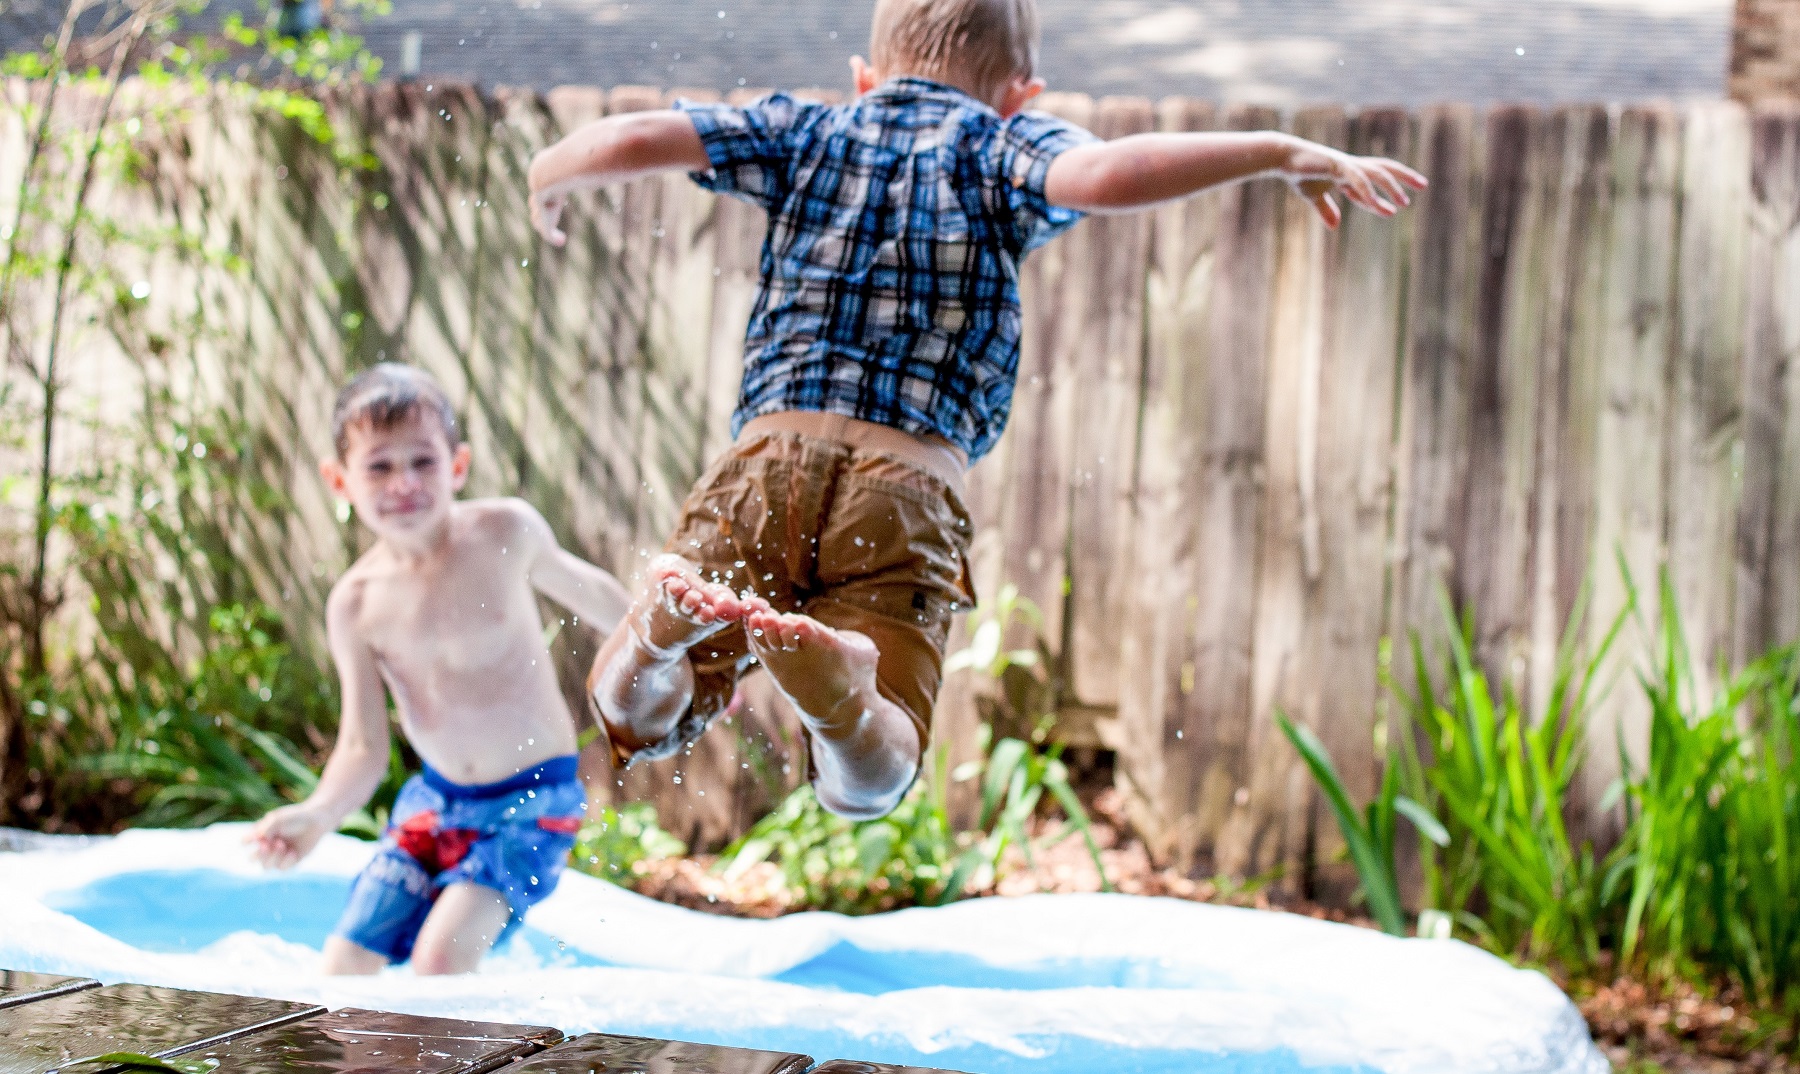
x=679, y=609
x=828, y=674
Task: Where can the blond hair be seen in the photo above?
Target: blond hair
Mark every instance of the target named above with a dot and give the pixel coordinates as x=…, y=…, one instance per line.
x=975, y=45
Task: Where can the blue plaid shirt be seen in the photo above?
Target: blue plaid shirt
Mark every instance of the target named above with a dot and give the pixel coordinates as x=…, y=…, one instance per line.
x=890, y=275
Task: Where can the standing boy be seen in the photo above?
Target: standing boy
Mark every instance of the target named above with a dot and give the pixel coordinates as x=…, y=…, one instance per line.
x=440, y=613
x=830, y=543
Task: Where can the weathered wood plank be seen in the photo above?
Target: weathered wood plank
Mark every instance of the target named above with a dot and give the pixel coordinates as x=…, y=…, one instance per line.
x=1572, y=367
x=439, y=135
x=1631, y=434
x=677, y=353
x=589, y=322
x=1706, y=404
x=1493, y=543
x=1106, y=369
x=503, y=354
x=1216, y=725
x=1768, y=546
x=1437, y=381
x=1202, y=726
x=1357, y=450
x=1157, y=673
x=1035, y=514
x=1288, y=556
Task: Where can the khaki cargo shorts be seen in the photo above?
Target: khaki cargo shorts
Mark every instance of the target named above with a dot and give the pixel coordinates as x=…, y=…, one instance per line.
x=856, y=538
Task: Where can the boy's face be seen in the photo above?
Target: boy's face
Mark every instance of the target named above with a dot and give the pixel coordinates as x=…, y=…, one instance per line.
x=401, y=479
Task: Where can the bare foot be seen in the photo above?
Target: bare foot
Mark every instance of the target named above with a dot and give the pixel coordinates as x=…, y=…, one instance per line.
x=828, y=674
x=679, y=609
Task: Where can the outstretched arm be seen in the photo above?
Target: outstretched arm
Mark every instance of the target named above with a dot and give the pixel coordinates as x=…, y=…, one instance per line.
x=616, y=149
x=358, y=760
x=1145, y=169
x=594, y=595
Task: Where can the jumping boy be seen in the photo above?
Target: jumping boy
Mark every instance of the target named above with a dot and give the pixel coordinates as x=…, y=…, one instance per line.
x=830, y=543
x=440, y=614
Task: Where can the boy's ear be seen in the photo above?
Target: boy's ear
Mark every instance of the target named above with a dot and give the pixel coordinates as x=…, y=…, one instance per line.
x=865, y=77
x=335, y=479
x=1017, y=94
x=459, y=466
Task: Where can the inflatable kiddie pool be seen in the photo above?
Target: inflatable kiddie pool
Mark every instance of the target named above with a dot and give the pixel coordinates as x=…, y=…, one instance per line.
x=1053, y=984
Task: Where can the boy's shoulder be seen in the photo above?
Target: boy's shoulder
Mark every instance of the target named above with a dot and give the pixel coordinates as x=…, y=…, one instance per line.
x=497, y=519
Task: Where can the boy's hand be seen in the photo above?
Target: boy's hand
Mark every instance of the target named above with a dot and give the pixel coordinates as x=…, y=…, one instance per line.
x=286, y=835
x=1375, y=183
x=546, y=215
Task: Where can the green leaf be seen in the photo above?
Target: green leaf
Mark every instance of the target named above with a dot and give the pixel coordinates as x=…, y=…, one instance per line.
x=1429, y=826
x=1379, y=886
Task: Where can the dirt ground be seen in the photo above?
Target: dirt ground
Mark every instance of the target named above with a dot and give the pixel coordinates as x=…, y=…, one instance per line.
x=1643, y=1031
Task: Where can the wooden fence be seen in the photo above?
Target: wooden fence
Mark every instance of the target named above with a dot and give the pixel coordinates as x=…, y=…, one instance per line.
x=1244, y=452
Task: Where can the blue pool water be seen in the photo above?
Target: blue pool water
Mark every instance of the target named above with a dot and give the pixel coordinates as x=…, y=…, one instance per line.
x=182, y=911
x=185, y=911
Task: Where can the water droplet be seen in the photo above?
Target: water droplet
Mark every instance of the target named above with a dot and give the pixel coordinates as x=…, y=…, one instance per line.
x=140, y=290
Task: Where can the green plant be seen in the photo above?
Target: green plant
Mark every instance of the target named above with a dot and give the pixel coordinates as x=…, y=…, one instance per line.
x=614, y=840
x=1712, y=847
x=1370, y=836
x=129, y=591
x=1499, y=779
x=1014, y=775
x=829, y=863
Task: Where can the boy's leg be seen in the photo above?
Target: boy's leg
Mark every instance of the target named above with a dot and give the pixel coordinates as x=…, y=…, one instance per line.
x=643, y=681
x=865, y=748
x=346, y=959
x=460, y=929
x=864, y=662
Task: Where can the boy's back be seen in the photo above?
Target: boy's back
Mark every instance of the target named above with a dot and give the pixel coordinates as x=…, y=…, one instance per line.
x=890, y=270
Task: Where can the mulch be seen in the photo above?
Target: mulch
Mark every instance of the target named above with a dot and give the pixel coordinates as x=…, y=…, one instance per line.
x=1673, y=1029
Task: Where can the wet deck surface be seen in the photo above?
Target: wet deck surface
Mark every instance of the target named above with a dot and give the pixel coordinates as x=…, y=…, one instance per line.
x=50, y=1024
x=602, y=1053
x=354, y=1041
x=48, y=1034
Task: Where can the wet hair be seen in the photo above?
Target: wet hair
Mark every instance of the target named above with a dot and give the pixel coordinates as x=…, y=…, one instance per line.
x=386, y=396
x=975, y=45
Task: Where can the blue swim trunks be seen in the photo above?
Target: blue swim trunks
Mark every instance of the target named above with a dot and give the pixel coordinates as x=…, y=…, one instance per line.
x=513, y=836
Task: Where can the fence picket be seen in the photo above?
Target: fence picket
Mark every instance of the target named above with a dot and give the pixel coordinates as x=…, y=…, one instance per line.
x=1769, y=518
x=1706, y=405
x=1105, y=307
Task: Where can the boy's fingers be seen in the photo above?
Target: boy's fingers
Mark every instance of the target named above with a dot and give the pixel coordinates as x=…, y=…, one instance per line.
x=1388, y=185
x=1411, y=178
x=1365, y=195
x=1327, y=208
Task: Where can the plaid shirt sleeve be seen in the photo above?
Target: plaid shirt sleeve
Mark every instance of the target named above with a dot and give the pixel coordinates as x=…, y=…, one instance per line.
x=748, y=146
x=1023, y=150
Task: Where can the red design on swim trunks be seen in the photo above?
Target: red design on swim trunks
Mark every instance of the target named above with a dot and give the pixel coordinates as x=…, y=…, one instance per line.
x=561, y=825
x=434, y=848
